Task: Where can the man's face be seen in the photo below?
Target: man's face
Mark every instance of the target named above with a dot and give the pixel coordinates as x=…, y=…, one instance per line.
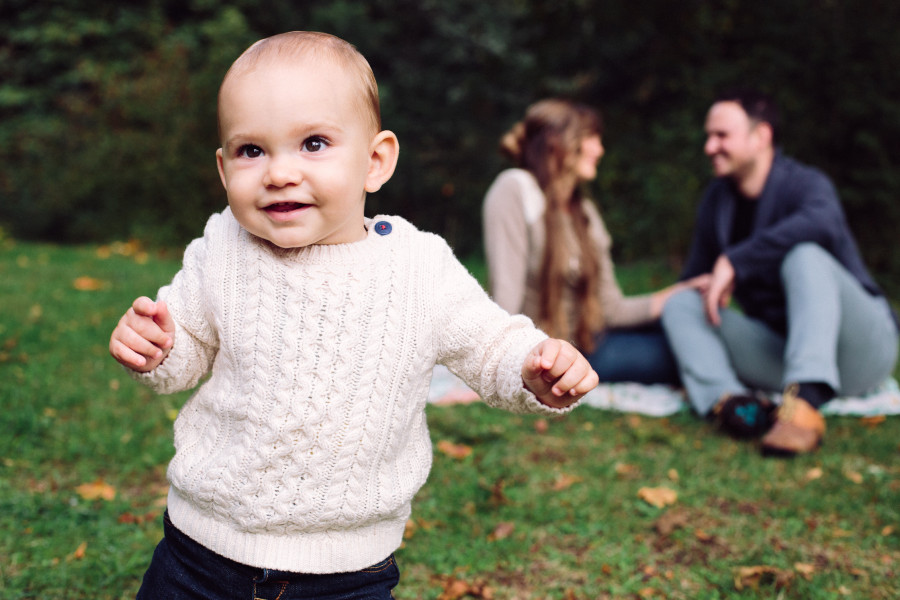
x=734, y=143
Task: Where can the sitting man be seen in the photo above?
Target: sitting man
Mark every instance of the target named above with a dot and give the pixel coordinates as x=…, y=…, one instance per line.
x=814, y=324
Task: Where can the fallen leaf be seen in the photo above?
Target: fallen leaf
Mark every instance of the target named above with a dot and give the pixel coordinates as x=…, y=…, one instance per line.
x=671, y=520
x=805, y=569
x=564, y=481
x=128, y=518
x=887, y=530
x=702, y=536
x=753, y=577
x=841, y=533
x=96, y=490
x=626, y=470
x=87, y=284
x=814, y=473
x=79, y=552
x=853, y=476
x=502, y=531
x=541, y=426
x=498, y=496
x=658, y=497
x=457, y=588
x=673, y=475
x=458, y=451
x=873, y=421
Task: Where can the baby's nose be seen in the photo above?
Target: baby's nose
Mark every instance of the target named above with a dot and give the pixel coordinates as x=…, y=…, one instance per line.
x=282, y=171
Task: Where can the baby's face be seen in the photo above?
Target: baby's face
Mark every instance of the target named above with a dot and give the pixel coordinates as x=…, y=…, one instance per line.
x=295, y=153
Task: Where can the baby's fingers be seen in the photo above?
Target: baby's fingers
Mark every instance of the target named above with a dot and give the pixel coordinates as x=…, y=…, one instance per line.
x=571, y=379
x=126, y=356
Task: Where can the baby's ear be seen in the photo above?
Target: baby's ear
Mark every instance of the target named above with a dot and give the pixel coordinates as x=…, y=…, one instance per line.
x=383, y=155
x=220, y=162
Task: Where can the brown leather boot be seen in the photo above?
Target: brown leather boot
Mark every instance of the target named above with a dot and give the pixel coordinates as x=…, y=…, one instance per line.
x=798, y=428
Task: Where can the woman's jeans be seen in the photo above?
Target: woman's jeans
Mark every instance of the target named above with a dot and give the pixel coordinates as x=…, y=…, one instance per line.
x=637, y=354
x=183, y=569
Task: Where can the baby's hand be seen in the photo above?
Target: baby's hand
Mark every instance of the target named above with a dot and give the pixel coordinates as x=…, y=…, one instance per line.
x=144, y=335
x=557, y=374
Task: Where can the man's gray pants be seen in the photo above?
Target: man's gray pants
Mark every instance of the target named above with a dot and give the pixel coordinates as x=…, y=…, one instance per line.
x=838, y=334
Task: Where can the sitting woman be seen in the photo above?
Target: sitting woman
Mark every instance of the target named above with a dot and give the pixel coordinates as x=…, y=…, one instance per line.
x=548, y=251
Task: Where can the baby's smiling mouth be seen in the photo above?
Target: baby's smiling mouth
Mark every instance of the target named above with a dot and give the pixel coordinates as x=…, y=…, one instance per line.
x=285, y=206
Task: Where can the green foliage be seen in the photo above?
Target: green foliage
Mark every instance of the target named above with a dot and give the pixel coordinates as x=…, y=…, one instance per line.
x=107, y=112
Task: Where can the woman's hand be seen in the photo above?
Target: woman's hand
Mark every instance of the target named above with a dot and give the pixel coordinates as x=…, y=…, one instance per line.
x=659, y=299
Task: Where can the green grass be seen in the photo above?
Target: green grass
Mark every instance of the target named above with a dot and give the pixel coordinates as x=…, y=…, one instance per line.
x=564, y=492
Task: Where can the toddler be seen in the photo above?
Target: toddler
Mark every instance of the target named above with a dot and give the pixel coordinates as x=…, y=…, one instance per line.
x=297, y=459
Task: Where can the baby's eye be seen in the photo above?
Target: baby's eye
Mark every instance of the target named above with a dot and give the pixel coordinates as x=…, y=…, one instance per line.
x=314, y=143
x=249, y=151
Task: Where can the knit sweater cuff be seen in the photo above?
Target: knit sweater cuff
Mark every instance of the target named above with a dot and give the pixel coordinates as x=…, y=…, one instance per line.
x=523, y=400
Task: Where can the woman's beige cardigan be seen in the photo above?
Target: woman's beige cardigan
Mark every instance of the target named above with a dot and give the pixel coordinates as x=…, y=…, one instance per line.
x=514, y=244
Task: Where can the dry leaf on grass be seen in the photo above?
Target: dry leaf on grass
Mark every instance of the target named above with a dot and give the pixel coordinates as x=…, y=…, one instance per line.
x=458, y=451
x=96, y=490
x=854, y=477
x=564, y=481
x=658, y=497
x=806, y=570
x=814, y=473
x=671, y=520
x=625, y=470
x=87, y=284
x=873, y=421
x=457, y=588
x=753, y=577
x=502, y=530
x=79, y=553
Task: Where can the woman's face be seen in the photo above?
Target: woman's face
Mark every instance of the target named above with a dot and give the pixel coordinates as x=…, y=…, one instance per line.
x=589, y=155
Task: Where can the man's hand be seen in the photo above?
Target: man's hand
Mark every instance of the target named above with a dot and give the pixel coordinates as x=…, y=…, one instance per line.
x=144, y=335
x=557, y=374
x=721, y=286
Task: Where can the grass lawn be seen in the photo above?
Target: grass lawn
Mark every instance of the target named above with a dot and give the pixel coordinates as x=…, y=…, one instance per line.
x=522, y=508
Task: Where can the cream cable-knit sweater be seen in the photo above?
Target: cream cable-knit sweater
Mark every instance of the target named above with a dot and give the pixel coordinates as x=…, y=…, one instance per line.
x=304, y=448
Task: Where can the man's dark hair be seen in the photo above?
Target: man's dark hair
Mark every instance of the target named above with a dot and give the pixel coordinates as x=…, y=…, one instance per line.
x=760, y=107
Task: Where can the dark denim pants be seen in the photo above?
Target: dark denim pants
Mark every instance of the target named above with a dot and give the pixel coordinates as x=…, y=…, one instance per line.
x=637, y=354
x=182, y=569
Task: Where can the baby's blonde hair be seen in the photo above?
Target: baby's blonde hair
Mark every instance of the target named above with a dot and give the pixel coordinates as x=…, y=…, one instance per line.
x=306, y=45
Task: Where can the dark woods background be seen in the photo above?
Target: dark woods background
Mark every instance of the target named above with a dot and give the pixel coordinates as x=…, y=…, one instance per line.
x=107, y=112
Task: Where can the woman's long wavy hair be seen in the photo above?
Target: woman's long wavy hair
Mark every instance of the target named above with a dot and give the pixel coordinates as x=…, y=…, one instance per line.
x=547, y=142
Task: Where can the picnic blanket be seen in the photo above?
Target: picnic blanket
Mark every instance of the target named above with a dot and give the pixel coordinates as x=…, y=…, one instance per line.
x=663, y=400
